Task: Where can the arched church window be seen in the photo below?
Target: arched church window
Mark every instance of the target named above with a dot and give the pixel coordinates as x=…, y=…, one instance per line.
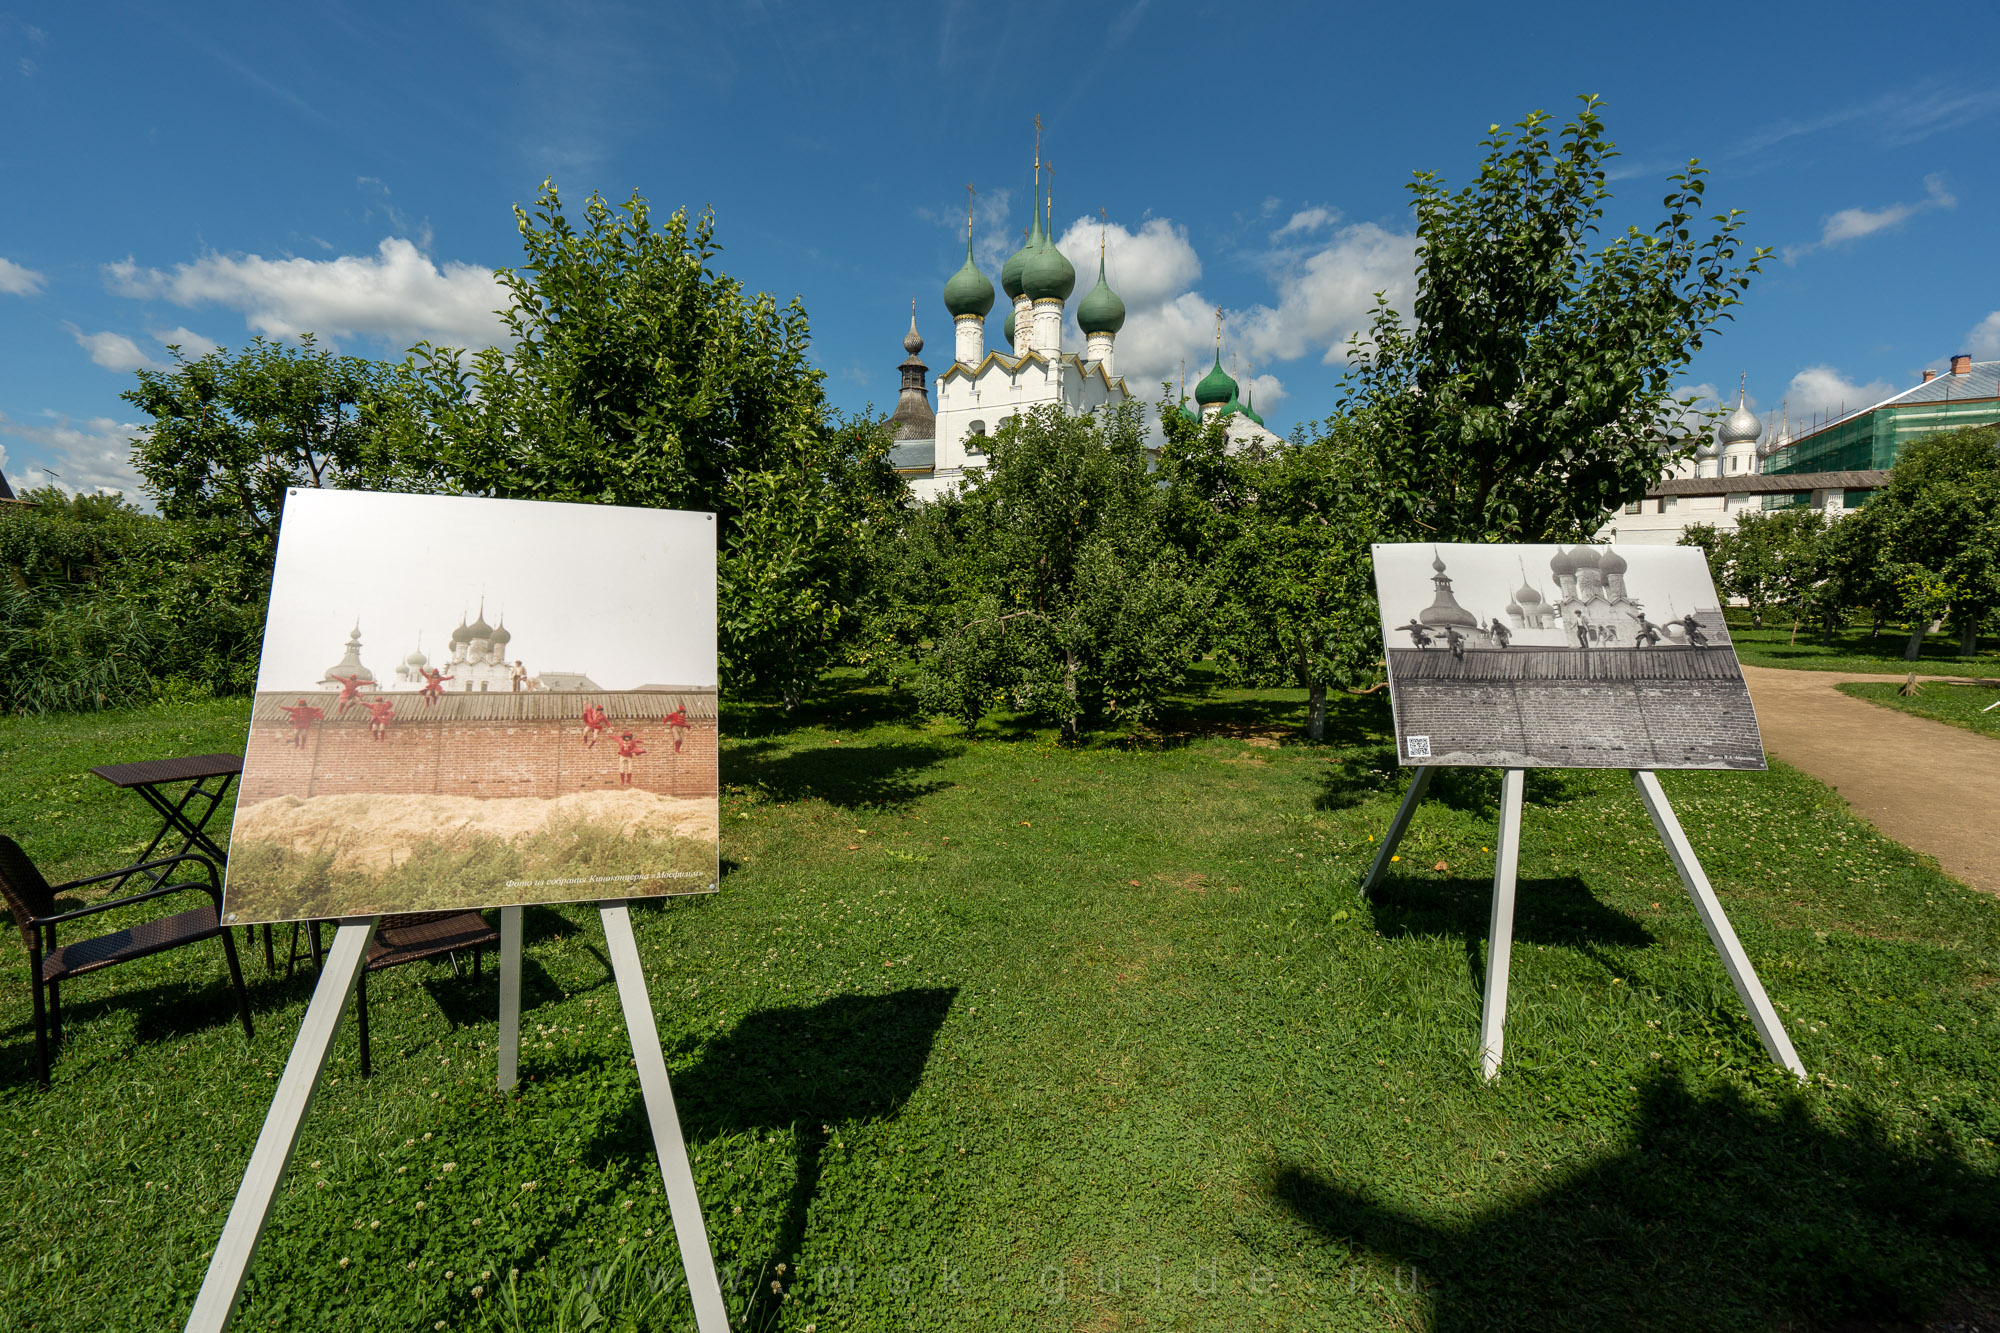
x=975, y=440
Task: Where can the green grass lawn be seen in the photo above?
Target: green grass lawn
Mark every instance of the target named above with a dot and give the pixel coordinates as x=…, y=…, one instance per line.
x=1854, y=649
x=982, y=1033
x=1960, y=705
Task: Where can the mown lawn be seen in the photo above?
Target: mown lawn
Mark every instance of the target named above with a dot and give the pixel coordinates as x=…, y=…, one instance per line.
x=1855, y=649
x=1961, y=705
x=982, y=1033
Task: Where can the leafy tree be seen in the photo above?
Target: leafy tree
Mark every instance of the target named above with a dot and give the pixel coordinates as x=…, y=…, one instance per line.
x=1772, y=559
x=1283, y=538
x=104, y=606
x=1048, y=587
x=1938, y=525
x=231, y=433
x=1531, y=393
x=641, y=375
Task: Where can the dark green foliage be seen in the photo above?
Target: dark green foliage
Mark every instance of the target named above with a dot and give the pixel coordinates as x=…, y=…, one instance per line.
x=230, y=434
x=1532, y=391
x=104, y=606
x=642, y=375
x=1048, y=588
x=1282, y=540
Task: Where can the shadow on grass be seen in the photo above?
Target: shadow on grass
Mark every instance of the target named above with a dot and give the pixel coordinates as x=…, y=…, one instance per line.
x=1718, y=1215
x=1561, y=912
x=852, y=707
x=851, y=776
x=1475, y=791
x=807, y=1070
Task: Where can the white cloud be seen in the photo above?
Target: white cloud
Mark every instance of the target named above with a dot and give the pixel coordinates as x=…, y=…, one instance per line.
x=1307, y=221
x=1851, y=224
x=190, y=342
x=1824, y=390
x=1325, y=295
x=16, y=280
x=113, y=351
x=91, y=455
x=398, y=294
x=1984, y=340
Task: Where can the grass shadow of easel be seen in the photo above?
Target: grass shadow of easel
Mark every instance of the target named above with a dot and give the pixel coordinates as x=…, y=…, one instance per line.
x=1558, y=910
x=1717, y=1214
x=805, y=1069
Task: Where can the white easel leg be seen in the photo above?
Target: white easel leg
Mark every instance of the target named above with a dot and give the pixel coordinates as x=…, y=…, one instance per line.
x=510, y=998
x=1500, y=929
x=710, y=1315
x=215, y=1305
x=1419, y=781
x=1770, y=1031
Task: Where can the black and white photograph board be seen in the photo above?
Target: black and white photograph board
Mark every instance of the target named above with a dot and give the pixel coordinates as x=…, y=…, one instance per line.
x=1561, y=657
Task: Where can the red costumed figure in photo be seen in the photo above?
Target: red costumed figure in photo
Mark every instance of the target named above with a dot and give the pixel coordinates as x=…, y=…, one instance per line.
x=433, y=685
x=379, y=711
x=302, y=718
x=628, y=749
x=433, y=688
x=350, y=692
x=678, y=720
x=594, y=720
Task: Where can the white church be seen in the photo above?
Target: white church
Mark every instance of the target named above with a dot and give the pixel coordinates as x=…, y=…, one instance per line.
x=984, y=388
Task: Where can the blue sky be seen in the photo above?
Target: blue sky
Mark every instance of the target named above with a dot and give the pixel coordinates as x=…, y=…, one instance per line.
x=210, y=171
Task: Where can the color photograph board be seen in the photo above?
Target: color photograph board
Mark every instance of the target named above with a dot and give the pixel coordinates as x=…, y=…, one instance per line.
x=467, y=703
x=1553, y=657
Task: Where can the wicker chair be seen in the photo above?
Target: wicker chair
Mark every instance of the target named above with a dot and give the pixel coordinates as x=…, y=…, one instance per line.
x=33, y=900
x=412, y=936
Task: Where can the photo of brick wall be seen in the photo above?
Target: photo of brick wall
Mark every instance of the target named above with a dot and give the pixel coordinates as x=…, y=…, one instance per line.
x=542, y=762
x=1545, y=656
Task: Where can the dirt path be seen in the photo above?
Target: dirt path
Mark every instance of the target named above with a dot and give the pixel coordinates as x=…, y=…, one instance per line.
x=1930, y=786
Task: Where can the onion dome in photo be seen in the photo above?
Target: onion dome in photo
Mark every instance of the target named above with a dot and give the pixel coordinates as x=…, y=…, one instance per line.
x=501, y=638
x=1561, y=563
x=1611, y=562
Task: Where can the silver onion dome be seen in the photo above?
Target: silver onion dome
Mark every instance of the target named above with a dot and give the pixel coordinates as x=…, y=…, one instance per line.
x=1740, y=426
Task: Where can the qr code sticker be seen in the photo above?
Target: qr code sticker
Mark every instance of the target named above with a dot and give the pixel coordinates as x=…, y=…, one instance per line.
x=1420, y=747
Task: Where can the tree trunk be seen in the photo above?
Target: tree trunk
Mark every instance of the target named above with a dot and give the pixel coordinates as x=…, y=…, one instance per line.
x=1316, y=711
x=1826, y=629
x=1875, y=630
x=1756, y=617
x=1968, y=638
x=1916, y=643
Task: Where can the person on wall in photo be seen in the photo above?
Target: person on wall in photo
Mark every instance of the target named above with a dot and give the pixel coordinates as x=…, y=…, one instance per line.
x=302, y=716
x=628, y=750
x=433, y=690
x=678, y=720
x=518, y=676
x=1501, y=634
x=594, y=720
x=1456, y=642
x=350, y=692
x=1693, y=628
x=379, y=712
x=1419, y=635
x=1649, y=633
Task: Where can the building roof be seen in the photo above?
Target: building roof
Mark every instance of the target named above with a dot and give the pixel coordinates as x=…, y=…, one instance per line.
x=1765, y=483
x=1981, y=380
x=913, y=455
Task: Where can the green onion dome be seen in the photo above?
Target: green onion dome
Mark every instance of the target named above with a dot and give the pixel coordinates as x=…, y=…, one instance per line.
x=1048, y=276
x=1101, y=311
x=1010, y=272
x=1216, y=387
x=1008, y=328
x=1233, y=406
x=968, y=292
